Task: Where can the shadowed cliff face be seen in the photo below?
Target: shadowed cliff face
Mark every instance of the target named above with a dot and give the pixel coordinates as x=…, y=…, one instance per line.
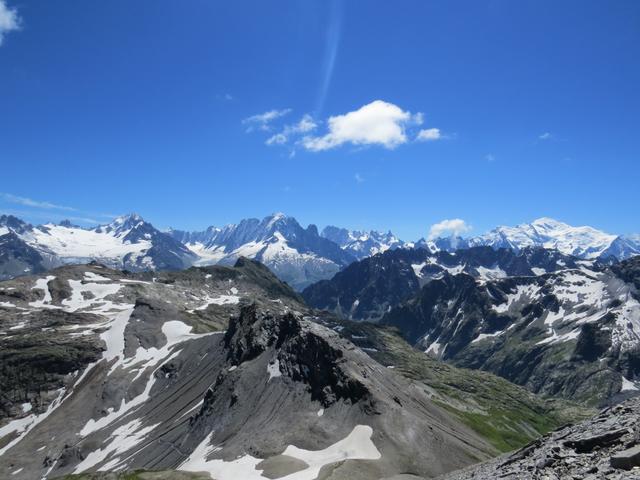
x=303, y=355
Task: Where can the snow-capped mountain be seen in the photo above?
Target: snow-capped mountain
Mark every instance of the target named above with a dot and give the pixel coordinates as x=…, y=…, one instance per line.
x=128, y=243
x=300, y=256
x=362, y=244
x=297, y=255
x=572, y=333
x=582, y=242
x=369, y=288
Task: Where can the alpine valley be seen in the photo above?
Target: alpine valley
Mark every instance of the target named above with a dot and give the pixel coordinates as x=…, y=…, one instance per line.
x=267, y=350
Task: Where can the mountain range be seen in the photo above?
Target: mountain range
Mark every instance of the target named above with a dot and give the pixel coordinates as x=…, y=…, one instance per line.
x=224, y=372
x=300, y=256
x=122, y=353
x=297, y=255
x=556, y=324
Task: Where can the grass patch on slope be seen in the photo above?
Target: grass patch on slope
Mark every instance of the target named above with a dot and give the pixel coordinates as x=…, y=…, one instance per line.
x=507, y=415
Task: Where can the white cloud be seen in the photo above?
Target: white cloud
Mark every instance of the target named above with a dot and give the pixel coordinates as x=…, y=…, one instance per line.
x=277, y=139
x=9, y=20
x=28, y=202
x=545, y=136
x=262, y=121
x=429, y=135
x=455, y=227
x=358, y=178
x=377, y=123
x=305, y=125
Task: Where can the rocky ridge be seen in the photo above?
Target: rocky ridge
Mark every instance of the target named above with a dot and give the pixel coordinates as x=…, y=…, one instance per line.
x=606, y=446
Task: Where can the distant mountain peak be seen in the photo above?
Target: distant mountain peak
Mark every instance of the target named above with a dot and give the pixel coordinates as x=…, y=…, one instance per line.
x=582, y=241
x=549, y=221
x=360, y=243
x=128, y=218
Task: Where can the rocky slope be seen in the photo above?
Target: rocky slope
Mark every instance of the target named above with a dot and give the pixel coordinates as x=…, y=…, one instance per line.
x=506, y=415
x=606, y=446
x=109, y=371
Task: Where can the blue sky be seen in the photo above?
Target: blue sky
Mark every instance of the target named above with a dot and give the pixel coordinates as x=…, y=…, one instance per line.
x=494, y=112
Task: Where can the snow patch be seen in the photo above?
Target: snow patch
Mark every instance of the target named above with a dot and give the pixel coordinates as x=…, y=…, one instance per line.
x=43, y=284
x=356, y=446
x=628, y=385
x=273, y=369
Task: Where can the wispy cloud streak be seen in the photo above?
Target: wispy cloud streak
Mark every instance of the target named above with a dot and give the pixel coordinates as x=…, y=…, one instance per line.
x=330, y=53
x=29, y=202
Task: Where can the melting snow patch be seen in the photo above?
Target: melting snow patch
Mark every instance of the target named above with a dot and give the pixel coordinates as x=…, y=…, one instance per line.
x=417, y=269
x=482, y=336
x=356, y=446
x=126, y=280
x=43, y=284
x=628, y=385
x=220, y=300
x=555, y=338
x=94, y=277
x=491, y=273
x=24, y=425
x=274, y=369
x=98, y=291
x=174, y=331
x=434, y=348
x=123, y=438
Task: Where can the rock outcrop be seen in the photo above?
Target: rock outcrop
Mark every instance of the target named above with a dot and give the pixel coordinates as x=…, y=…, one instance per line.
x=606, y=446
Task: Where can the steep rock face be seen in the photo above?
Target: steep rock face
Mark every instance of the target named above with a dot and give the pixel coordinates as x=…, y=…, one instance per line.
x=573, y=333
x=18, y=258
x=605, y=446
x=304, y=355
x=14, y=224
x=368, y=289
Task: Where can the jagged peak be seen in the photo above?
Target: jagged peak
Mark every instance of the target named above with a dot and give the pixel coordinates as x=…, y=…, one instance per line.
x=129, y=217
